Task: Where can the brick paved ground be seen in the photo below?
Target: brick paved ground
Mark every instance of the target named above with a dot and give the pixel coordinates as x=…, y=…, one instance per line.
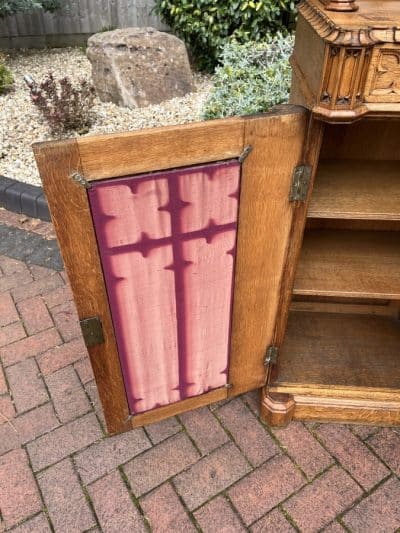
x=217, y=469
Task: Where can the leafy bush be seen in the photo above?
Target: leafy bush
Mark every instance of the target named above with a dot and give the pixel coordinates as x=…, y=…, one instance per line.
x=6, y=79
x=64, y=106
x=205, y=25
x=9, y=7
x=253, y=77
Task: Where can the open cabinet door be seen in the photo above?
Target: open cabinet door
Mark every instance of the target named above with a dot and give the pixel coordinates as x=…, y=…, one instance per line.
x=174, y=241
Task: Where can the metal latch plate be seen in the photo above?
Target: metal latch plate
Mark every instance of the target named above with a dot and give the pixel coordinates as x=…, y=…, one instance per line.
x=92, y=331
x=300, y=183
x=271, y=357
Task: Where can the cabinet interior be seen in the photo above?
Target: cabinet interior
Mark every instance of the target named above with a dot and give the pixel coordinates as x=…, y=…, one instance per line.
x=344, y=322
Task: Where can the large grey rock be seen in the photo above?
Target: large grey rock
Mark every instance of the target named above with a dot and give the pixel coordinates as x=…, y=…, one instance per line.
x=135, y=67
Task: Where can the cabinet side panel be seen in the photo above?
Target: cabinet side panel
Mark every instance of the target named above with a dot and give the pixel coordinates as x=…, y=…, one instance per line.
x=307, y=62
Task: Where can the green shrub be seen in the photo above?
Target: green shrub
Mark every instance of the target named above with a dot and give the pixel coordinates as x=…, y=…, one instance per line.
x=6, y=79
x=205, y=25
x=252, y=78
x=9, y=7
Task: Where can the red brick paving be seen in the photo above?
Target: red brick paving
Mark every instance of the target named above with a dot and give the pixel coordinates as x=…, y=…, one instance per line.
x=264, y=488
x=218, y=516
x=204, y=429
x=19, y=495
x=362, y=464
x=29, y=347
x=27, y=387
x=378, y=512
x=7, y=409
x=84, y=370
x=310, y=456
x=164, y=429
x=160, y=463
x=164, y=511
x=37, y=524
x=64, y=441
x=334, y=527
x=3, y=384
x=114, y=507
x=37, y=287
x=8, y=312
x=16, y=279
x=217, y=469
x=363, y=431
x=211, y=475
x=11, y=333
x=319, y=503
x=104, y=456
x=60, y=356
x=34, y=315
x=67, y=393
x=273, y=521
x=386, y=443
x=247, y=432
x=64, y=498
x=30, y=425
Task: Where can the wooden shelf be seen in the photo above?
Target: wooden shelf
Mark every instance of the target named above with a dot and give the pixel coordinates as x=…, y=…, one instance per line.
x=368, y=190
x=330, y=349
x=345, y=263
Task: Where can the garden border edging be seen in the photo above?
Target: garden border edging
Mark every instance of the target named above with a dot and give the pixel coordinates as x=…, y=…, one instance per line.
x=23, y=198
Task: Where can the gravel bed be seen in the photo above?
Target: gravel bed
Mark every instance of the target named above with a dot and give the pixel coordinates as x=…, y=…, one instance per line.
x=21, y=124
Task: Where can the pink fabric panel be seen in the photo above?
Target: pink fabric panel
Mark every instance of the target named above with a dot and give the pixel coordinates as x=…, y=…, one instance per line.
x=167, y=245
x=126, y=207
x=147, y=328
x=213, y=196
x=207, y=281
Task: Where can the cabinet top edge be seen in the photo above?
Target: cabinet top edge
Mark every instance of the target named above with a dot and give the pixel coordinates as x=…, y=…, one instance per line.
x=374, y=22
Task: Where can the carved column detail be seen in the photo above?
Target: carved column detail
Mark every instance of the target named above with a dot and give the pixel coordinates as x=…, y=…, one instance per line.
x=345, y=76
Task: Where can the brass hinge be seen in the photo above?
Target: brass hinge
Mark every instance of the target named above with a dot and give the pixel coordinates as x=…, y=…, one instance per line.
x=300, y=183
x=247, y=150
x=81, y=180
x=271, y=357
x=92, y=331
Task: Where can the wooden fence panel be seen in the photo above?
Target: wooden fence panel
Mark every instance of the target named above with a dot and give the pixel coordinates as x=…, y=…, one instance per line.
x=75, y=21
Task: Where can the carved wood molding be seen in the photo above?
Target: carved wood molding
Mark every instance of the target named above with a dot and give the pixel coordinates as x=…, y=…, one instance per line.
x=340, y=5
x=319, y=19
x=383, y=83
x=350, y=66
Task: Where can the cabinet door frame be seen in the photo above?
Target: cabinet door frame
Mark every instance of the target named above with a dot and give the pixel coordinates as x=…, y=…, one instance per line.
x=269, y=146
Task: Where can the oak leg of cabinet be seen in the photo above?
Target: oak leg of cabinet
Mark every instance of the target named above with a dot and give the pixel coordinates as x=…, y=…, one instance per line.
x=277, y=409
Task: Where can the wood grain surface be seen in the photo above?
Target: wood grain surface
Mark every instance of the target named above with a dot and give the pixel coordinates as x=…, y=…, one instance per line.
x=265, y=222
x=363, y=264
x=73, y=224
x=356, y=189
x=265, y=225
x=341, y=350
x=122, y=154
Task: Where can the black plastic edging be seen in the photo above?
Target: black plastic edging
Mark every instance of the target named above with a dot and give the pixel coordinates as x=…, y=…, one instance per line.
x=23, y=198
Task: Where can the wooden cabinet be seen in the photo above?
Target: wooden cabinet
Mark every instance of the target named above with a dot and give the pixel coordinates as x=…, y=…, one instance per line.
x=215, y=258
x=174, y=241
x=346, y=62
x=337, y=348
